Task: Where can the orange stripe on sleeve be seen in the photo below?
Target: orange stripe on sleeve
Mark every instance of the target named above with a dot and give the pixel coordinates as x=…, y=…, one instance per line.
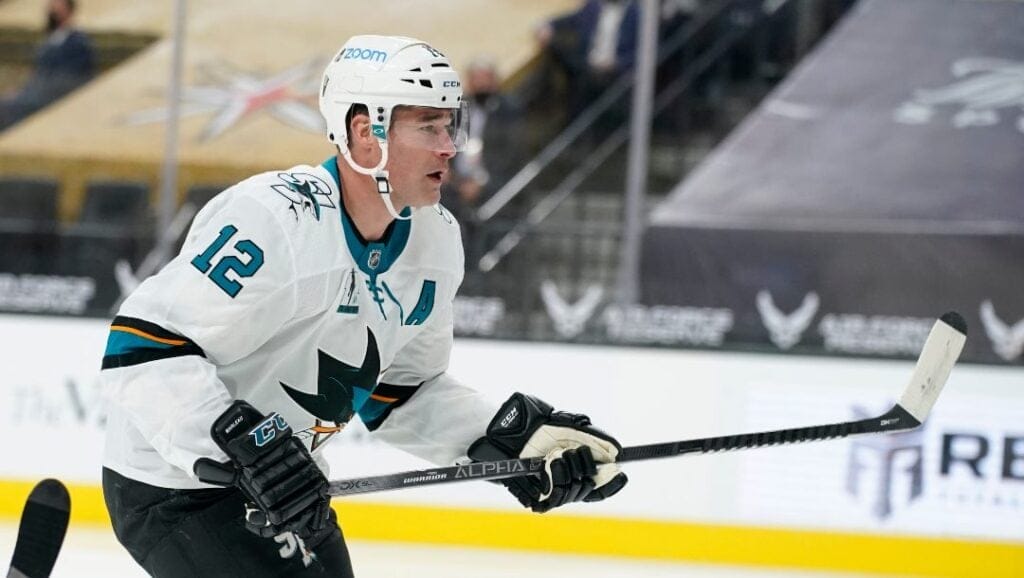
x=145, y=335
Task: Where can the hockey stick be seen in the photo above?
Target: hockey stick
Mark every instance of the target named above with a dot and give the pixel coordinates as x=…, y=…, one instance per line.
x=41, y=531
x=940, y=352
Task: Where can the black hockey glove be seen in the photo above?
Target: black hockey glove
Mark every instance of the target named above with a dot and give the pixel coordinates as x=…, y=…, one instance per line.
x=273, y=470
x=578, y=457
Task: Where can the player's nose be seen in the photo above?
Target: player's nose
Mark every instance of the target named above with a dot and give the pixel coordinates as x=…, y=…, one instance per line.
x=445, y=146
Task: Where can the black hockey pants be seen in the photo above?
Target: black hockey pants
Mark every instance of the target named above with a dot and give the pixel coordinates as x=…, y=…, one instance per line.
x=179, y=533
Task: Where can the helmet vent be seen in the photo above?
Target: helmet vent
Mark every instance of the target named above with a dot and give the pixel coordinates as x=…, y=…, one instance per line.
x=417, y=69
x=426, y=83
x=409, y=80
x=440, y=65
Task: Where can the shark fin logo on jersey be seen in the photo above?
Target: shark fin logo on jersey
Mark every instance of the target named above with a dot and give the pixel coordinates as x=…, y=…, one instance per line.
x=784, y=330
x=307, y=193
x=1007, y=340
x=335, y=399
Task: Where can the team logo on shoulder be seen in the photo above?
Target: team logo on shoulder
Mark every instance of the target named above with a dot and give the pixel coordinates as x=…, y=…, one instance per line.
x=307, y=193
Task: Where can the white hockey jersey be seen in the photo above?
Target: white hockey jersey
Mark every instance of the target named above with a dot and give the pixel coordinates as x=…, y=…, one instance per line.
x=276, y=299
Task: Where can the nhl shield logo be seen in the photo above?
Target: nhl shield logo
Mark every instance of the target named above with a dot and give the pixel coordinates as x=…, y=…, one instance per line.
x=373, y=261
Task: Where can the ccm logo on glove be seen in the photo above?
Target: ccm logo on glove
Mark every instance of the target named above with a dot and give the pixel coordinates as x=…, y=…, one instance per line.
x=266, y=431
x=512, y=415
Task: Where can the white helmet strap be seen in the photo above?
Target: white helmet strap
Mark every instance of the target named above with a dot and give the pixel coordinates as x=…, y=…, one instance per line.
x=384, y=188
x=380, y=176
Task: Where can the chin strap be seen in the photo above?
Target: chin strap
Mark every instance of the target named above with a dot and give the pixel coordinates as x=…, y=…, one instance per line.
x=384, y=188
x=380, y=176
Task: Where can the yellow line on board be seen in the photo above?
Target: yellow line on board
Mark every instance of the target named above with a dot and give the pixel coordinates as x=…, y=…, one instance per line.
x=670, y=541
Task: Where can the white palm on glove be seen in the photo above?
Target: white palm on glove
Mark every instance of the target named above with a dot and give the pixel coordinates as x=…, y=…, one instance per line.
x=551, y=443
x=578, y=458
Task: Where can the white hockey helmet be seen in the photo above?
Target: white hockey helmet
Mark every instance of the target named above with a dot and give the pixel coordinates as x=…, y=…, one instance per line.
x=382, y=72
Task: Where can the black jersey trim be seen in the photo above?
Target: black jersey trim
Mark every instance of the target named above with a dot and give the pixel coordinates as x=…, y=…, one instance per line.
x=133, y=341
x=397, y=396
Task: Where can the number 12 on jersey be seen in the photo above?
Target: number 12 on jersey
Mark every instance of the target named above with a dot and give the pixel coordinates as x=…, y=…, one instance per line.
x=219, y=274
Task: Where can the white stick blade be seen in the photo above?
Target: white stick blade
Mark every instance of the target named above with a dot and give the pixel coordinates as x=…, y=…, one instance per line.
x=941, y=350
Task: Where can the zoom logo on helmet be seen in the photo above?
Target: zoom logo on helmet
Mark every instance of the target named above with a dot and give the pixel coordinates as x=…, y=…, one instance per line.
x=362, y=54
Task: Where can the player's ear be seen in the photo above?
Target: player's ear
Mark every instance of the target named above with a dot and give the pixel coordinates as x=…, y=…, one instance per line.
x=359, y=128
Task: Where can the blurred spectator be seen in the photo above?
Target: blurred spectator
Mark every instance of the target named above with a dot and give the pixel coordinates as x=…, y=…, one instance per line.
x=592, y=46
x=493, y=154
x=64, y=62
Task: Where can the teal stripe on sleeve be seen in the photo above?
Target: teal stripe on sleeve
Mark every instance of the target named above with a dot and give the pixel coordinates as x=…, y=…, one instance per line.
x=134, y=341
x=120, y=342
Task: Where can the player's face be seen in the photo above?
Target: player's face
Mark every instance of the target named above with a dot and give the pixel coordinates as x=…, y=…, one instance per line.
x=419, y=149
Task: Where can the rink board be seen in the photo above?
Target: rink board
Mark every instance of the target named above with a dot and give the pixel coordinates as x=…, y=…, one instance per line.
x=936, y=502
x=878, y=184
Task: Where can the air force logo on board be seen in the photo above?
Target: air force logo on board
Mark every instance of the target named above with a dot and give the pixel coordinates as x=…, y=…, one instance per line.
x=786, y=330
x=570, y=319
x=1007, y=340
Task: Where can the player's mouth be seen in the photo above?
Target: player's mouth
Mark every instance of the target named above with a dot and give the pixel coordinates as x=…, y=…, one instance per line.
x=436, y=176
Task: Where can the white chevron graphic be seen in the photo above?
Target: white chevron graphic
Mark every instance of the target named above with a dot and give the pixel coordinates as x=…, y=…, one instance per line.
x=786, y=330
x=570, y=319
x=1007, y=341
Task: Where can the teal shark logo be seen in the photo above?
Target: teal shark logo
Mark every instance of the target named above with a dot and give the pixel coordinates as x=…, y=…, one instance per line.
x=307, y=193
x=306, y=190
x=341, y=388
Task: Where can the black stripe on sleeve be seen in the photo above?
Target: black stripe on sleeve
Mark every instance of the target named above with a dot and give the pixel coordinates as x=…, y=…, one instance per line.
x=120, y=354
x=400, y=393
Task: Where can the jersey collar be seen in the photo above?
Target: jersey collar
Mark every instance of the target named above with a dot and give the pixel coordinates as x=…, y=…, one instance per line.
x=372, y=258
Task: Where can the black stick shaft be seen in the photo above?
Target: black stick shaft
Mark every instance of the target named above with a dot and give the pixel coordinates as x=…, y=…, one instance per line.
x=896, y=419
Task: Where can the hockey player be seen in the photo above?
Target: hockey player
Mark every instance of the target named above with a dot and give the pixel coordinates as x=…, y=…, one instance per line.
x=301, y=299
